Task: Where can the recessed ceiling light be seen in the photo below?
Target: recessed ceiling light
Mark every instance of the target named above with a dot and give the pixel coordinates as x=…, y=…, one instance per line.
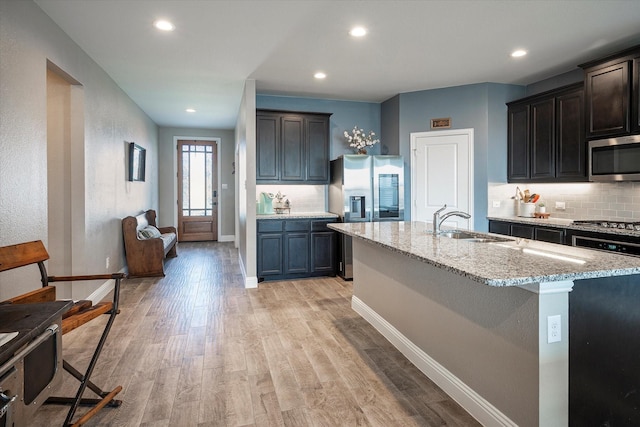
x=320, y=75
x=518, y=53
x=190, y=110
x=358, y=32
x=164, y=25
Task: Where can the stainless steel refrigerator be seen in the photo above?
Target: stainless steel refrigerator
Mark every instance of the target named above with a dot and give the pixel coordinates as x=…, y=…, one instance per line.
x=365, y=188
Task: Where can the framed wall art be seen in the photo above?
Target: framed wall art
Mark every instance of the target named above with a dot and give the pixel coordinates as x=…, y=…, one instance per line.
x=137, y=160
x=441, y=123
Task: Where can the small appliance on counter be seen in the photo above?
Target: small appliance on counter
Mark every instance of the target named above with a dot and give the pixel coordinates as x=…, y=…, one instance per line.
x=266, y=203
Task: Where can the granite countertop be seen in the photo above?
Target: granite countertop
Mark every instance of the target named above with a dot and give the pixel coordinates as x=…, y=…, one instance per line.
x=564, y=223
x=29, y=320
x=515, y=262
x=297, y=215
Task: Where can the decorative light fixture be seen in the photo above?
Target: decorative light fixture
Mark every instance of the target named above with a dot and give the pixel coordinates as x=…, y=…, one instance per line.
x=190, y=110
x=518, y=53
x=164, y=25
x=320, y=75
x=358, y=32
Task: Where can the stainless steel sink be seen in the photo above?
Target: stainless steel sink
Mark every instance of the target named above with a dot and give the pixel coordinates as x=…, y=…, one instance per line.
x=457, y=234
x=473, y=237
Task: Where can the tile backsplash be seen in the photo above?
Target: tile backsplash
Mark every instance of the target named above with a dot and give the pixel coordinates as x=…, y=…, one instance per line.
x=617, y=200
x=303, y=198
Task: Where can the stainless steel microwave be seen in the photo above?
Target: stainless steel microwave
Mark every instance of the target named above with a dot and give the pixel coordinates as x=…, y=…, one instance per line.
x=615, y=159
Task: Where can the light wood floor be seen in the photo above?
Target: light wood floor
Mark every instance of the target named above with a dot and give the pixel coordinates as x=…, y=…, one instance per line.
x=197, y=349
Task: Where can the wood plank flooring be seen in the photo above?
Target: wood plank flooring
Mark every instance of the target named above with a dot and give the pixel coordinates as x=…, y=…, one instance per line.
x=196, y=348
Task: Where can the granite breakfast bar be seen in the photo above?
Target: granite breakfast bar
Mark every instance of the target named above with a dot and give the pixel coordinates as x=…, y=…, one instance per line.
x=474, y=316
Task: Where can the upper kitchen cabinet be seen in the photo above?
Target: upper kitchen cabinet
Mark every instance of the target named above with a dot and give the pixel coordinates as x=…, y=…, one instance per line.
x=292, y=147
x=518, y=142
x=636, y=96
x=611, y=93
x=546, y=137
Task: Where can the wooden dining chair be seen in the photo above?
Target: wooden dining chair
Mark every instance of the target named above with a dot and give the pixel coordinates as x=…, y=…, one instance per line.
x=25, y=254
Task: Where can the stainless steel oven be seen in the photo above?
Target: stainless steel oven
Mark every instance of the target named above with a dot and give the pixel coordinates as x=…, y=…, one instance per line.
x=608, y=244
x=627, y=243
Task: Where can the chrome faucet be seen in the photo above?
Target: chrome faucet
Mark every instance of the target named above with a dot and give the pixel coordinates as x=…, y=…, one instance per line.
x=437, y=220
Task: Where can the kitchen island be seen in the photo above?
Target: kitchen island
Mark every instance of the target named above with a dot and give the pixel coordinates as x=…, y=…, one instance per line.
x=487, y=321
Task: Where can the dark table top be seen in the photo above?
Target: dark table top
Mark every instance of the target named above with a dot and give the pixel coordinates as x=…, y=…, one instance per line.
x=29, y=320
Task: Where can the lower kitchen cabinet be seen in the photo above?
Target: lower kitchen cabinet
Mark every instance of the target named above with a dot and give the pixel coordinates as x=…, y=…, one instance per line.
x=533, y=232
x=295, y=248
x=296, y=253
x=323, y=249
x=270, y=254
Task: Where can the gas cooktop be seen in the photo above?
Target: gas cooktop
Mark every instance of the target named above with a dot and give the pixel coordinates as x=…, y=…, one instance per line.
x=603, y=223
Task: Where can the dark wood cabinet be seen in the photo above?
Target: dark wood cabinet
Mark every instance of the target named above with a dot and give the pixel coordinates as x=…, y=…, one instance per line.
x=612, y=101
x=571, y=148
x=518, y=143
x=635, y=111
x=295, y=248
x=292, y=148
x=546, y=137
x=542, y=116
x=500, y=227
x=607, y=93
x=551, y=235
x=522, y=230
x=526, y=231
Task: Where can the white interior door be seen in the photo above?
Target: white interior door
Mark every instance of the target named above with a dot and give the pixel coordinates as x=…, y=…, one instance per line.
x=442, y=173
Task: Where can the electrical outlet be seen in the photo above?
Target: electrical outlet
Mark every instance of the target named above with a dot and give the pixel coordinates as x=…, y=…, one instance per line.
x=496, y=203
x=107, y=262
x=560, y=206
x=554, y=329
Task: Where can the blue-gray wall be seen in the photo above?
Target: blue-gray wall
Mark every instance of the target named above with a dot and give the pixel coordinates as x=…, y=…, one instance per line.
x=345, y=115
x=479, y=106
x=389, y=115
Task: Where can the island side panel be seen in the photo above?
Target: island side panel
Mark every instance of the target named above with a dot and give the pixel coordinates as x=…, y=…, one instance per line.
x=487, y=337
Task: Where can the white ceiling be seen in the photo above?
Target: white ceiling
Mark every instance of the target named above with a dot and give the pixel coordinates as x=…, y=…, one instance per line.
x=412, y=45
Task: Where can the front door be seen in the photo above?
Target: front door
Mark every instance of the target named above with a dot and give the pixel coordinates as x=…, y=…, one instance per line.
x=197, y=191
x=442, y=173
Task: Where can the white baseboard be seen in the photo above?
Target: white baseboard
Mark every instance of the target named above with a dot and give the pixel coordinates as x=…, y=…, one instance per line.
x=250, y=282
x=472, y=402
x=100, y=293
x=227, y=238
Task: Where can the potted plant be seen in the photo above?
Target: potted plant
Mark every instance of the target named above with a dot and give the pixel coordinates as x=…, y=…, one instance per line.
x=541, y=207
x=359, y=140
